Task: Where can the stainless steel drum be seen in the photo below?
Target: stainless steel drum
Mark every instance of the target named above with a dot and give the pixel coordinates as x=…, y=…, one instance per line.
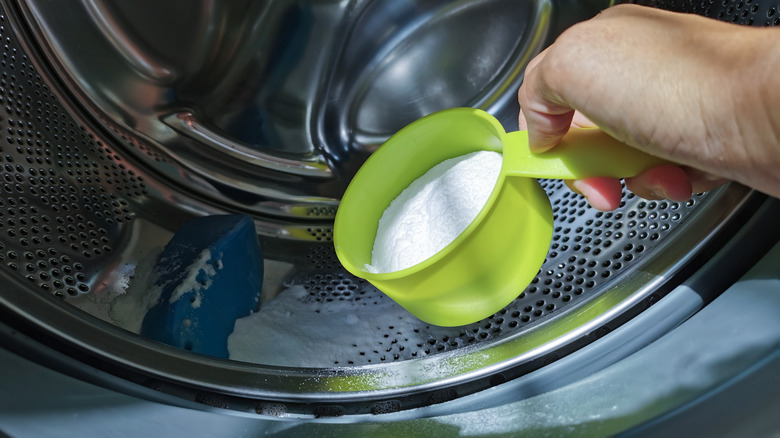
x=122, y=120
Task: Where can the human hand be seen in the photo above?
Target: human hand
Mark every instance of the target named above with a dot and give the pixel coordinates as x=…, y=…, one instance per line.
x=660, y=182
x=692, y=90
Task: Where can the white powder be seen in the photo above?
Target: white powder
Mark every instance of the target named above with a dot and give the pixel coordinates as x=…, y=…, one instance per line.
x=190, y=282
x=143, y=293
x=128, y=310
x=434, y=210
x=295, y=330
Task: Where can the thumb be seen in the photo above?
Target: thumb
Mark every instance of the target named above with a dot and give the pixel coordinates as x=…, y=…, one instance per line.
x=546, y=130
x=545, y=116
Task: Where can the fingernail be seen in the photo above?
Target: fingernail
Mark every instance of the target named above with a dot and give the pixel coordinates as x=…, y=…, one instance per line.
x=582, y=188
x=535, y=143
x=539, y=143
x=573, y=185
x=658, y=193
x=597, y=192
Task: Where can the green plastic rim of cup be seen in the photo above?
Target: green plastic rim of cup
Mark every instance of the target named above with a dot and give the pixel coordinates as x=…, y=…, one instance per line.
x=493, y=260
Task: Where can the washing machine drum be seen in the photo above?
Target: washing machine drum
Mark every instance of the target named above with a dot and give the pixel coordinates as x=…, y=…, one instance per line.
x=122, y=121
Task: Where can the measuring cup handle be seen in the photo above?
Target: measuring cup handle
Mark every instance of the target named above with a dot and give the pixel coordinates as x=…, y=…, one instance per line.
x=582, y=153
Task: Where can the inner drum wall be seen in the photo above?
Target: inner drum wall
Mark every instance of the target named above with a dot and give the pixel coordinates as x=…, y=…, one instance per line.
x=75, y=205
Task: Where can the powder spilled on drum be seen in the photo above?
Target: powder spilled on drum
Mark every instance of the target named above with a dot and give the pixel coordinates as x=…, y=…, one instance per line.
x=295, y=330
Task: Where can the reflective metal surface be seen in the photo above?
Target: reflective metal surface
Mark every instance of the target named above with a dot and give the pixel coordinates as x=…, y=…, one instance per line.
x=270, y=107
x=120, y=129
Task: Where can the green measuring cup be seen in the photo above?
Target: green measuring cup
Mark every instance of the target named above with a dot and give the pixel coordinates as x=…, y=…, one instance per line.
x=500, y=252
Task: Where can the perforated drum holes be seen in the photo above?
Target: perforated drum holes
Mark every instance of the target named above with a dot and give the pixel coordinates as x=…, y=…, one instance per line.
x=69, y=197
x=75, y=216
x=65, y=192
x=134, y=143
x=747, y=12
x=321, y=234
x=328, y=212
x=590, y=251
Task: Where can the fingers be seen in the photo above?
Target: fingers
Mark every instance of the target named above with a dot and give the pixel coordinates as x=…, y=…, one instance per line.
x=635, y=96
x=662, y=182
x=672, y=183
x=602, y=193
x=703, y=181
x=544, y=115
x=578, y=121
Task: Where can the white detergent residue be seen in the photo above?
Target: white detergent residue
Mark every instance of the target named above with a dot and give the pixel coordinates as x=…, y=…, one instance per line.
x=143, y=291
x=434, y=210
x=296, y=331
x=128, y=310
x=192, y=283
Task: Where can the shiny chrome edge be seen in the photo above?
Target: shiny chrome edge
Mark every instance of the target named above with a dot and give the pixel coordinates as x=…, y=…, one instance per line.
x=199, y=181
x=336, y=383
x=308, y=211
x=374, y=382
x=186, y=123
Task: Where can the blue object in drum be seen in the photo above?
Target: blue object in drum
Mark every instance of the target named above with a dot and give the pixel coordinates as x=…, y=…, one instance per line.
x=210, y=273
